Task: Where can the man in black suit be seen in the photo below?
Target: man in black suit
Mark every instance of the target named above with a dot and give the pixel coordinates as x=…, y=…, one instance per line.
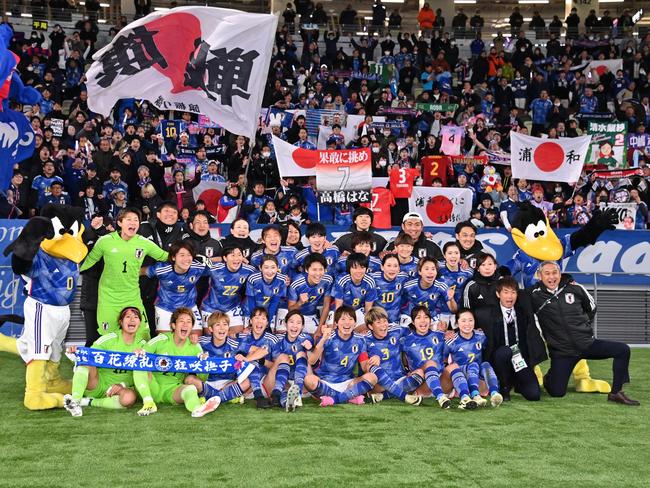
x=514, y=344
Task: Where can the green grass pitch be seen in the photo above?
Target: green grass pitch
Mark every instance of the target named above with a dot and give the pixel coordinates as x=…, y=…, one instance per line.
x=579, y=441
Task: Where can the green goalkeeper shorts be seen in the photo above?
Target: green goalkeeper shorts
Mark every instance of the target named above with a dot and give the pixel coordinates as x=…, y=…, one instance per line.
x=163, y=392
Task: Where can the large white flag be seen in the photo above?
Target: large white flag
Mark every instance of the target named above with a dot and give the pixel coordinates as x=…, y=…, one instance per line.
x=540, y=159
x=202, y=60
x=441, y=206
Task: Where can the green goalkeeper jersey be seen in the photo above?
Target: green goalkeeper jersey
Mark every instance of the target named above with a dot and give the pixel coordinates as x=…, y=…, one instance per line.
x=164, y=344
x=115, y=342
x=119, y=283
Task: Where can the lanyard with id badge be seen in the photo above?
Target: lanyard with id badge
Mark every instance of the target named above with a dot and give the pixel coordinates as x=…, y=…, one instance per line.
x=518, y=361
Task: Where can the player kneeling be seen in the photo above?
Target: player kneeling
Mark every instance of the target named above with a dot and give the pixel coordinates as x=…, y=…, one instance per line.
x=169, y=387
x=222, y=387
x=466, y=350
x=336, y=355
x=105, y=387
x=384, y=341
x=424, y=351
x=290, y=360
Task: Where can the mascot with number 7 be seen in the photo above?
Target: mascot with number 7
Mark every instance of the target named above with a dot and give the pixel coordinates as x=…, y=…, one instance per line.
x=47, y=254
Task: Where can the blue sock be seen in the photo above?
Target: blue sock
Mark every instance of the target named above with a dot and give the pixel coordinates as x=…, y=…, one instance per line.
x=283, y=398
x=387, y=382
x=209, y=391
x=281, y=377
x=318, y=391
x=460, y=383
x=230, y=392
x=490, y=378
x=255, y=379
x=411, y=383
x=300, y=372
x=473, y=371
x=355, y=390
x=432, y=377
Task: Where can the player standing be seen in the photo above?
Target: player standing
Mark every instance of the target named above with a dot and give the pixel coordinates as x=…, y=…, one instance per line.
x=427, y=291
x=356, y=289
x=310, y=293
x=267, y=289
x=389, y=284
x=454, y=276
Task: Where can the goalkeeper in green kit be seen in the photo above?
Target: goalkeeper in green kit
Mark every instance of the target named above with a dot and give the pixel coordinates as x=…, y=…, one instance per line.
x=123, y=252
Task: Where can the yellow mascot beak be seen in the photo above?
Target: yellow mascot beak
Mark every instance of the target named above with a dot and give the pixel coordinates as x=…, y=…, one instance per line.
x=545, y=248
x=66, y=246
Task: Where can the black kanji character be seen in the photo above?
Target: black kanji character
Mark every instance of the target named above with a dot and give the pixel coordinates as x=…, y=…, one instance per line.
x=572, y=157
x=525, y=154
x=130, y=55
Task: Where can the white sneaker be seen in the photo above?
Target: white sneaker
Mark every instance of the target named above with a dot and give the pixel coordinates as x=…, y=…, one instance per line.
x=479, y=400
x=444, y=402
x=298, y=402
x=209, y=406
x=376, y=397
x=496, y=399
x=414, y=400
x=72, y=406
x=293, y=395
x=466, y=403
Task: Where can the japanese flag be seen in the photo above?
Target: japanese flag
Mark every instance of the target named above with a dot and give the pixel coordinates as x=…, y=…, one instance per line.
x=294, y=161
x=539, y=159
x=440, y=206
x=202, y=60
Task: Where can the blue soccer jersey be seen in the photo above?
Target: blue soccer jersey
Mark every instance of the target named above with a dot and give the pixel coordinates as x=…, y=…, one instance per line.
x=454, y=278
x=422, y=348
x=389, y=350
x=176, y=289
x=410, y=268
x=389, y=294
x=247, y=341
x=340, y=268
x=340, y=357
x=291, y=349
x=53, y=280
x=261, y=293
x=464, y=351
x=353, y=295
x=331, y=255
x=42, y=184
x=316, y=293
x=432, y=297
x=226, y=287
x=226, y=350
x=286, y=259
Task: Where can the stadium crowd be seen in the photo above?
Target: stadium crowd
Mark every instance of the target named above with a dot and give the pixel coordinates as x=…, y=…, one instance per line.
x=130, y=174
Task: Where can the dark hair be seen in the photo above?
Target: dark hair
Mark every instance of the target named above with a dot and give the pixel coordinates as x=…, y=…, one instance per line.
x=232, y=225
x=292, y=313
x=481, y=257
x=314, y=258
x=284, y=231
x=122, y=213
x=177, y=246
x=507, y=282
x=197, y=213
x=269, y=257
x=417, y=309
x=260, y=311
x=126, y=309
x=360, y=238
x=403, y=238
x=356, y=259
x=316, y=229
x=461, y=225
x=387, y=257
x=229, y=250
x=182, y=311
x=362, y=211
x=448, y=245
x=427, y=259
x=166, y=204
x=344, y=310
x=462, y=310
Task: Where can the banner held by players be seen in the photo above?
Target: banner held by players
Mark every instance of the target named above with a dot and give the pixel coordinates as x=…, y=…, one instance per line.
x=540, y=159
x=202, y=60
x=441, y=207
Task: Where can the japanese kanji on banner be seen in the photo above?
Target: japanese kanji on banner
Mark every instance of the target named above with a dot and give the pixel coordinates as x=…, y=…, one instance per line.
x=451, y=136
x=441, y=207
x=608, y=144
x=203, y=60
x=540, y=159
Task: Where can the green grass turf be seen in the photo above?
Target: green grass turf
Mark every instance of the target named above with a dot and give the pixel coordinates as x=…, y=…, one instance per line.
x=579, y=441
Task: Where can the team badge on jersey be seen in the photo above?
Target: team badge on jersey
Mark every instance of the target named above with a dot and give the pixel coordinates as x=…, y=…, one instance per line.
x=192, y=279
x=163, y=364
x=294, y=348
x=570, y=298
x=139, y=252
x=422, y=253
x=209, y=252
x=355, y=348
x=321, y=291
x=393, y=340
x=284, y=261
x=275, y=291
x=242, y=280
x=478, y=346
x=226, y=355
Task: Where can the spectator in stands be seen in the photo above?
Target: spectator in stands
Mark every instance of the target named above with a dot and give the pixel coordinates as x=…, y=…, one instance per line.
x=537, y=24
x=426, y=18
x=378, y=16
x=477, y=22
x=572, y=24
x=459, y=23
x=516, y=20
x=395, y=19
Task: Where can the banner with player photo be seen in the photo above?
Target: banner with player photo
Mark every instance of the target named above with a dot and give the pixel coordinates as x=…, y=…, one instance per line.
x=608, y=144
x=626, y=213
x=441, y=207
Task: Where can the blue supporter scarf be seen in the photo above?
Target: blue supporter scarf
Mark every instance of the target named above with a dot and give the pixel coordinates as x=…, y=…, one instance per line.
x=86, y=356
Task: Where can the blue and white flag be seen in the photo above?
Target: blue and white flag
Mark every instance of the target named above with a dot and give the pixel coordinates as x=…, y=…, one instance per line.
x=16, y=143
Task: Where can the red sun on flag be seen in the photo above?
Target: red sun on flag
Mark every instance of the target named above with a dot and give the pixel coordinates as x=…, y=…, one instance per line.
x=305, y=158
x=548, y=156
x=439, y=209
x=211, y=197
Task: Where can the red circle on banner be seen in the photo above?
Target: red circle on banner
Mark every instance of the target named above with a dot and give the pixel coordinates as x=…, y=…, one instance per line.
x=211, y=198
x=548, y=156
x=305, y=158
x=439, y=209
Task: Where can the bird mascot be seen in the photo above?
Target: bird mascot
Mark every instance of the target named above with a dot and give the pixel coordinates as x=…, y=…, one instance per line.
x=46, y=254
x=537, y=242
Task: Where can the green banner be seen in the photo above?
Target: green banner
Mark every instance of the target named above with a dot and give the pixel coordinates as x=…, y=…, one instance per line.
x=608, y=144
x=437, y=107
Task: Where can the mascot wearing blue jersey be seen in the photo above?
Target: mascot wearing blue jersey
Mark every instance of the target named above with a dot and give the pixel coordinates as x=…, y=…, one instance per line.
x=537, y=242
x=46, y=254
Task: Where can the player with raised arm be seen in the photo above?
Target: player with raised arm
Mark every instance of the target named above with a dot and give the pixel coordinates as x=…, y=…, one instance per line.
x=107, y=387
x=317, y=237
x=267, y=289
x=466, y=351
x=334, y=359
x=427, y=291
x=356, y=289
x=123, y=252
x=310, y=293
x=454, y=276
x=423, y=349
x=289, y=355
x=384, y=341
x=177, y=281
x=226, y=291
x=168, y=387
x=389, y=284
